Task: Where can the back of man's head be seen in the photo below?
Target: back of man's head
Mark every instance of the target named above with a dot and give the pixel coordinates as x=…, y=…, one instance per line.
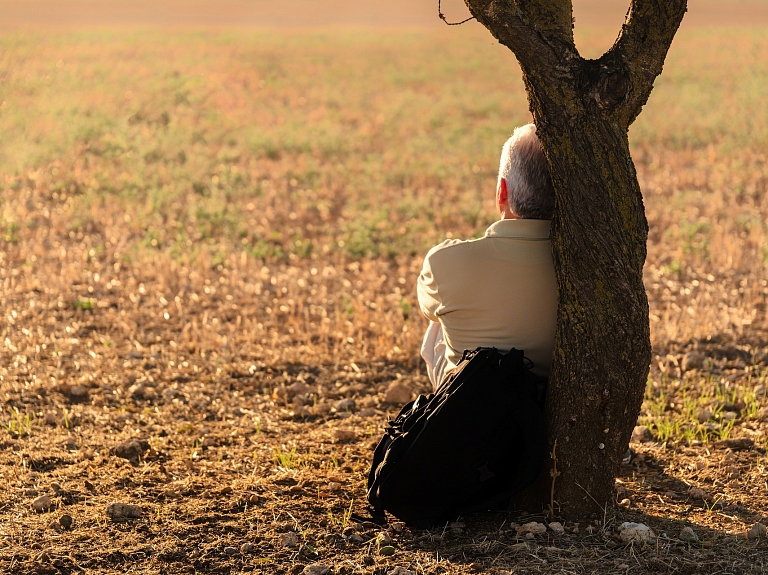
x=524, y=168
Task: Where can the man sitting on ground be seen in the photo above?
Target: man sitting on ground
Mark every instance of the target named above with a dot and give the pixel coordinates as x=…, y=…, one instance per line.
x=499, y=290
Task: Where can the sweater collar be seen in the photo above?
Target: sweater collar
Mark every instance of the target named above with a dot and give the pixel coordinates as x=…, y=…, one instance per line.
x=531, y=229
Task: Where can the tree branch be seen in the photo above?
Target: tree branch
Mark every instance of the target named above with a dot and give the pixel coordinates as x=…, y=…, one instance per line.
x=538, y=33
x=642, y=46
x=553, y=18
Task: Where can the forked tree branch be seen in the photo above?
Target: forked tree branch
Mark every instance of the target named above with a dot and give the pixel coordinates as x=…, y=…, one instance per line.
x=514, y=24
x=539, y=33
x=643, y=45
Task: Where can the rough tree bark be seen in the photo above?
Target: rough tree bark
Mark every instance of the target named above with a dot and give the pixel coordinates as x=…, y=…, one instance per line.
x=583, y=109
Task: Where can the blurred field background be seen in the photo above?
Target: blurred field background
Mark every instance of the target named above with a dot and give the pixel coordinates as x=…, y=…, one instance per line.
x=319, y=150
x=195, y=192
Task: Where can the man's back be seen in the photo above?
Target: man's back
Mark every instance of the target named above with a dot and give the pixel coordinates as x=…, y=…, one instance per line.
x=497, y=291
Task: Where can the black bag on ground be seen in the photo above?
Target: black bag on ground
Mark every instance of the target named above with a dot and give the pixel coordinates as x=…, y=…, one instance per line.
x=470, y=446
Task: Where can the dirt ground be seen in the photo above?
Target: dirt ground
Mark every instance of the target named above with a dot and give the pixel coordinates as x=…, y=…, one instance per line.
x=239, y=464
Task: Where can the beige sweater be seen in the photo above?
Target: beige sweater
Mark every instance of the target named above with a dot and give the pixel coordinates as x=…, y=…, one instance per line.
x=496, y=291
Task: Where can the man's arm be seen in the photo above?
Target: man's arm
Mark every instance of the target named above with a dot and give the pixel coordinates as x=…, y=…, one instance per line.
x=429, y=298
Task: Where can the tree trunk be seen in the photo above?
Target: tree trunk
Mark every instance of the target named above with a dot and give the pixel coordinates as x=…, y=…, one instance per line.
x=582, y=110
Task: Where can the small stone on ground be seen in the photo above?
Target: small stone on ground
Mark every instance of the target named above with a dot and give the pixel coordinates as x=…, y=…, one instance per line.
x=533, y=527
x=398, y=392
x=641, y=434
x=289, y=540
x=123, y=511
x=131, y=449
x=691, y=361
x=757, y=532
x=316, y=569
x=42, y=504
x=639, y=532
x=688, y=535
x=556, y=527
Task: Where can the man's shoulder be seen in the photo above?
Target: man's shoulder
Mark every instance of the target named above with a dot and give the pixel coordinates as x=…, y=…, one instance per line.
x=452, y=252
x=453, y=246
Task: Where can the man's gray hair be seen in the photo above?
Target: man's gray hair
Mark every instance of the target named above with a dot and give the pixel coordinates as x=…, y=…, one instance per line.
x=524, y=167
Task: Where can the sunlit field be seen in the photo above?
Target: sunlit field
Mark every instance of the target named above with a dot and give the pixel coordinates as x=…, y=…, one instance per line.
x=208, y=255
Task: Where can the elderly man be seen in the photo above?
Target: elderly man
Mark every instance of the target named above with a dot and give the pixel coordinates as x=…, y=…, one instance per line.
x=499, y=290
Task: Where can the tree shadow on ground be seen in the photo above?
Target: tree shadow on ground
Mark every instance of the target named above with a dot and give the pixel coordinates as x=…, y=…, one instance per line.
x=647, y=492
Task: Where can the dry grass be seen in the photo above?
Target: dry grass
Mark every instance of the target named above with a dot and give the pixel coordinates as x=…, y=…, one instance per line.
x=209, y=240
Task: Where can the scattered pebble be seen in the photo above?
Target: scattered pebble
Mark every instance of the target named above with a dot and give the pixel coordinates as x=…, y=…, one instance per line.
x=298, y=388
x=66, y=521
x=457, y=527
x=55, y=526
x=704, y=415
x=316, y=569
x=355, y=538
x=367, y=412
x=557, y=528
x=688, y=535
x=230, y=551
x=641, y=434
x=387, y=551
x=629, y=532
x=246, y=548
x=341, y=435
x=762, y=415
x=141, y=391
x=301, y=411
x=533, y=528
x=692, y=360
x=50, y=418
x=78, y=392
x=131, y=449
x=401, y=571
x=42, y=504
x=347, y=404
x=123, y=511
x=397, y=392
x=56, y=487
x=736, y=443
x=383, y=538
x=757, y=532
x=289, y=540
